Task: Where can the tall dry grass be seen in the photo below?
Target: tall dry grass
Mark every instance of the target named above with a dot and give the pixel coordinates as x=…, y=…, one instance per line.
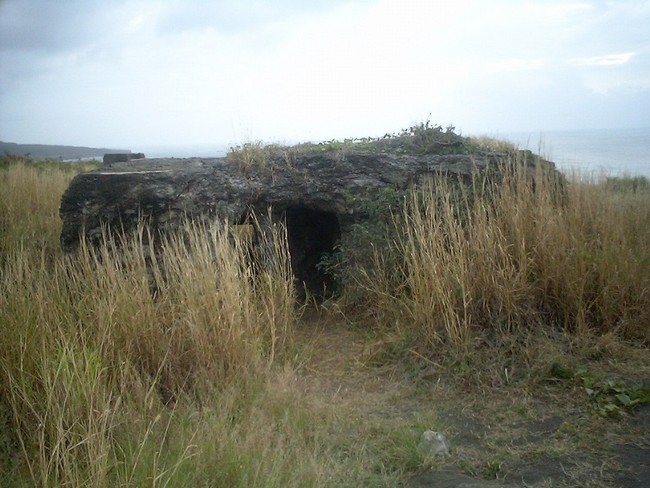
x=86, y=341
x=105, y=354
x=488, y=261
x=29, y=205
x=124, y=367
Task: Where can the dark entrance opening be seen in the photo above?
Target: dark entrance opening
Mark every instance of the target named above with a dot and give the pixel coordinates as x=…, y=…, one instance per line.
x=312, y=236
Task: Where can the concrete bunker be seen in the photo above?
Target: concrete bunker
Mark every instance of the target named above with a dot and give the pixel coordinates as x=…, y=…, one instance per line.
x=320, y=192
x=312, y=237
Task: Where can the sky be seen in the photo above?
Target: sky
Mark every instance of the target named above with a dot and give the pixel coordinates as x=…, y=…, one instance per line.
x=138, y=73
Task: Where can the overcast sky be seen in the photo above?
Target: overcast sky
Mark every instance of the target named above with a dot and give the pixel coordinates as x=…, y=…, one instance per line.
x=135, y=73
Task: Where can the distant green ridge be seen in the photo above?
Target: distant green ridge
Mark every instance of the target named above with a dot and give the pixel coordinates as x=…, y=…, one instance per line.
x=45, y=151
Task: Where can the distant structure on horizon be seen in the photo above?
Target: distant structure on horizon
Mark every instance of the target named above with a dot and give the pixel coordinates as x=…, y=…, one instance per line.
x=110, y=158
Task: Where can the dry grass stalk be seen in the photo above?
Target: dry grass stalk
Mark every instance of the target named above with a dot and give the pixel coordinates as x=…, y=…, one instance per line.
x=530, y=252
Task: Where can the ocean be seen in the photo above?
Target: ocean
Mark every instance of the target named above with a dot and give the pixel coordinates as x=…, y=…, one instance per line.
x=612, y=152
x=186, y=151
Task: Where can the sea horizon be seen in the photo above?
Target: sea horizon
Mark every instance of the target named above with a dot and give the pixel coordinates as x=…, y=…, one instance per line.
x=592, y=153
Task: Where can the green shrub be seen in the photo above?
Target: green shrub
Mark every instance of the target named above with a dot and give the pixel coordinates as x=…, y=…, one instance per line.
x=627, y=184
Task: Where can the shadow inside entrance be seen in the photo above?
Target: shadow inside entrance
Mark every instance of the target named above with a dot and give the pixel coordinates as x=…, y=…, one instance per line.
x=312, y=235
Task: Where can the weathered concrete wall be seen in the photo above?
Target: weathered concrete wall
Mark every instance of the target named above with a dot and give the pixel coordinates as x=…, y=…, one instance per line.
x=320, y=194
x=167, y=190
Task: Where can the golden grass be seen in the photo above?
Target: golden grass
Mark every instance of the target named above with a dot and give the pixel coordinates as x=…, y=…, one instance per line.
x=101, y=349
x=121, y=367
x=530, y=253
x=29, y=207
x=91, y=340
x=124, y=367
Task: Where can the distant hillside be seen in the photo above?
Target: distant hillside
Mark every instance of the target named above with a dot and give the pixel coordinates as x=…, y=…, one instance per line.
x=44, y=151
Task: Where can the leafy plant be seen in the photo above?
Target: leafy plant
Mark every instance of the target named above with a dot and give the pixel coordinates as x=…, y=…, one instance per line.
x=331, y=264
x=607, y=397
x=613, y=397
x=249, y=156
x=370, y=240
x=425, y=138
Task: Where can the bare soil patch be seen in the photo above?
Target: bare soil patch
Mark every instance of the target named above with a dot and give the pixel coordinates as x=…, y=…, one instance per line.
x=498, y=437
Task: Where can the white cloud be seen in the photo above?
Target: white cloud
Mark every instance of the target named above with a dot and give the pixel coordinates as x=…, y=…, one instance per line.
x=604, y=60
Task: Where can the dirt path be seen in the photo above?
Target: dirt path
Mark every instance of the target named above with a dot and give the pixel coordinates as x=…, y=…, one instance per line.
x=500, y=438
x=337, y=369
